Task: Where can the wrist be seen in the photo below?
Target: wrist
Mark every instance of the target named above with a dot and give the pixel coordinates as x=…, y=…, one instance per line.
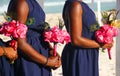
x=46, y=62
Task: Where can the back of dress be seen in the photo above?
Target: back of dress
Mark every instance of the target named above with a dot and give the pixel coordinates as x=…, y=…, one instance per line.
x=78, y=61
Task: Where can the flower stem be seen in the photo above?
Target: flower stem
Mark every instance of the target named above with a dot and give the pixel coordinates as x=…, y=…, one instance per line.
x=109, y=54
x=55, y=48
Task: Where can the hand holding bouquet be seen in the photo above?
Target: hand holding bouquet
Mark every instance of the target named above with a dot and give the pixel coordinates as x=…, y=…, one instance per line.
x=109, y=30
x=13, y=29
x=105, y=35
x=56, y=35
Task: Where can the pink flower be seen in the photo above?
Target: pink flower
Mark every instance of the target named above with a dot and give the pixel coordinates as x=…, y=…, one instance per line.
x=14, y=29
x=66, y=36
x=20, y=31
x=48, y=36
x=56, y=35
x=8, y=28
x=105, y=35
x=115, y=31
x=13, y=43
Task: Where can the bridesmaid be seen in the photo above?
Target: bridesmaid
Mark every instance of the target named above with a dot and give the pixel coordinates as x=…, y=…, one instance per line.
x=80, y=57
x=35, y=57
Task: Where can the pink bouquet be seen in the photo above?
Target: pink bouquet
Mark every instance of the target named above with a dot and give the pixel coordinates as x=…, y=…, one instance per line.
x=13, y=29
x=105, y=35
x=56, y=35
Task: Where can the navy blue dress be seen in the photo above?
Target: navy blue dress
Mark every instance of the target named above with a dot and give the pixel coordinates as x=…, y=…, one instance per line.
x=78, y=61
x=24, y=66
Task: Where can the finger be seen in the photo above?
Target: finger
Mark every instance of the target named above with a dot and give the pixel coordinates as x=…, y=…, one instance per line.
x=14, y=57
x=58, y=64
x=59, y=58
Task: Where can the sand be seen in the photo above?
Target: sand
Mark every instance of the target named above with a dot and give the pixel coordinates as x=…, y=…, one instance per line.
x=106, y=66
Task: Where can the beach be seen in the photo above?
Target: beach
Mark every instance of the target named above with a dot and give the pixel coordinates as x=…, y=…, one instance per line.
x=106, y=66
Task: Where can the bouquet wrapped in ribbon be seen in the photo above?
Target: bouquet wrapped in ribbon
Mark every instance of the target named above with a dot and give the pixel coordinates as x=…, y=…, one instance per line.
x=56, y=35
x=108, y=31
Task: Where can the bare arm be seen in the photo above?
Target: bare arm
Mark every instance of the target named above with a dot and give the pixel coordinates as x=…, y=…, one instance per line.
x=22, y=13
x=76, y=28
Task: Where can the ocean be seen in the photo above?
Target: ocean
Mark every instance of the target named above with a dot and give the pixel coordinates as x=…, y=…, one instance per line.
x=56, y=6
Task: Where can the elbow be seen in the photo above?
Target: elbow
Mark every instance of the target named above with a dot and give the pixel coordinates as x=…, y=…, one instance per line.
x=21, y=46
x=21, y=43
x=76, y=41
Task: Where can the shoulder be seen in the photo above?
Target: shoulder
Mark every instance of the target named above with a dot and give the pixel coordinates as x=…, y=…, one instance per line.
x=22, y=4
x=76, y=4
x=76, y=7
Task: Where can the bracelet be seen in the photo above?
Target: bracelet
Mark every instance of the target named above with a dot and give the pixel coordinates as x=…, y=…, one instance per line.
x=4, y=51
x=46, y=61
